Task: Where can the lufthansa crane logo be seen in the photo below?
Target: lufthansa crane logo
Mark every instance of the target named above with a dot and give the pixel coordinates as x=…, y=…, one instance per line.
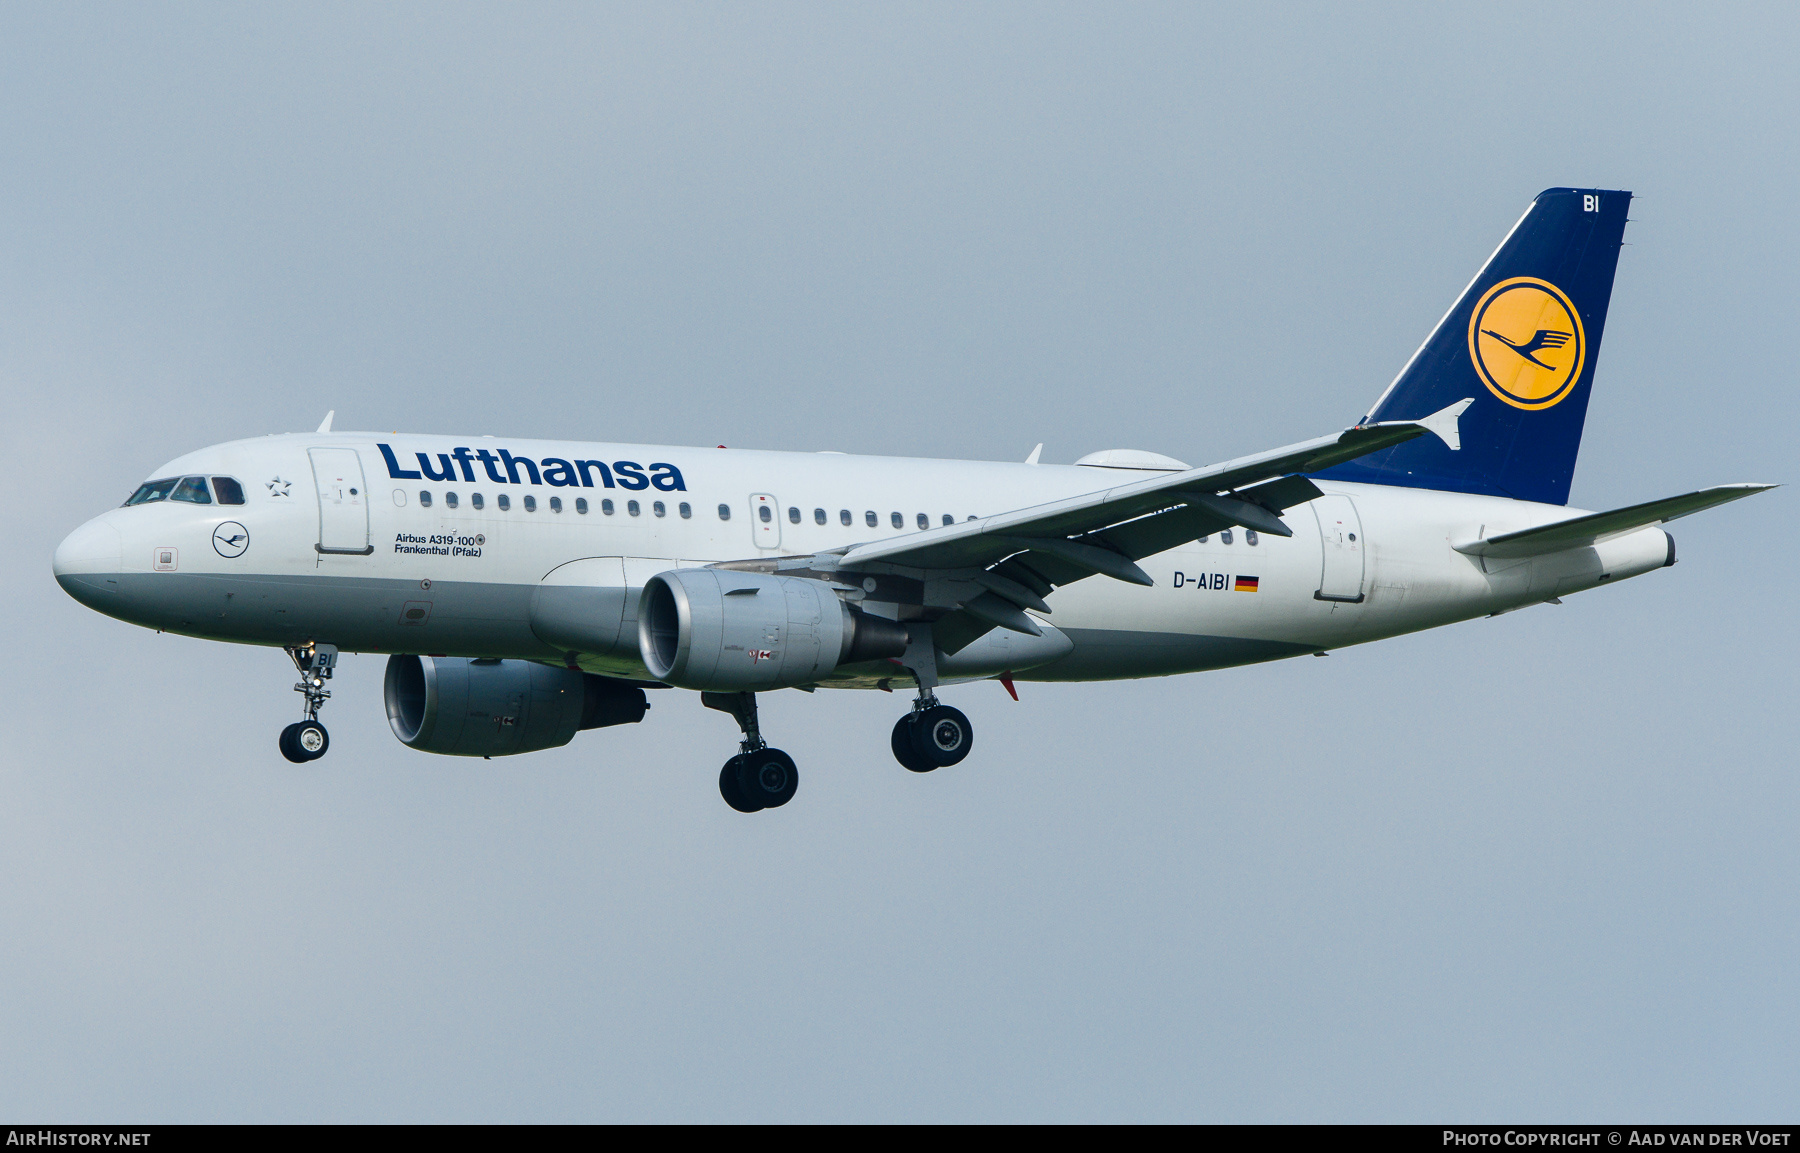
x=231, y=539
x=1527, y=343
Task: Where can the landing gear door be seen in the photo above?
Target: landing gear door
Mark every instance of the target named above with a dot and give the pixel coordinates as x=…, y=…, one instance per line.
x=1341, y=537
x=765, y=520
x=343, y=502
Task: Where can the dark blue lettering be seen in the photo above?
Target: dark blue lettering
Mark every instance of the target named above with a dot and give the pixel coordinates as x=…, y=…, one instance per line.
x=630, y=474
x=1179, y=577
x=449, y=472
x=488, y=461
x=587, y=481
x=512, y=467
x=463, y=458
x=667, y=478
x=559, y=472
x=394, y=469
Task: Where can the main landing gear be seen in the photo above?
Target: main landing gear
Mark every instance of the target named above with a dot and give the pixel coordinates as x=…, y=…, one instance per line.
x=307, y=740
x=758, y=777
x=932, y=736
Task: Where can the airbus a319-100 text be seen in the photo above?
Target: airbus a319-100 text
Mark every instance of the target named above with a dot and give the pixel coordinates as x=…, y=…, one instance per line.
x=527, y=590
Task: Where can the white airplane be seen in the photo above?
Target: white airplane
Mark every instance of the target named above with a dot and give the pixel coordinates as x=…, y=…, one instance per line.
x=526, y=590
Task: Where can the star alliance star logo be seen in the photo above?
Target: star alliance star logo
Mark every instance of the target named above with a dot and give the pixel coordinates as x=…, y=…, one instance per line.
x=279, y=487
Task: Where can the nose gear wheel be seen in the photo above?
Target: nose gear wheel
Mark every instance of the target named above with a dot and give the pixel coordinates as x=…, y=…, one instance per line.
x=304, y=741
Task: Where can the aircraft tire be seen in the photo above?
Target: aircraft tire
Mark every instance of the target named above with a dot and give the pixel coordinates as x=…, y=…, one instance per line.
x=904, y=752
x=768, y=778
x=304, y=741
x=730, y=789
x=942, y=736
x=290, y=748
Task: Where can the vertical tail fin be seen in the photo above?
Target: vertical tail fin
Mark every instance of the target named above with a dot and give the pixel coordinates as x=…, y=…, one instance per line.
x=1521, y=342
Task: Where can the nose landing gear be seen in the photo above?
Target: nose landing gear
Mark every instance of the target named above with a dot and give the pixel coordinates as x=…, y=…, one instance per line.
x=307, y=740
x=758, y=777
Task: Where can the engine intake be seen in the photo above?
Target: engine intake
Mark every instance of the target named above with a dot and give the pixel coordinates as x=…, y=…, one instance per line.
x=493, y=708
x=727, y=631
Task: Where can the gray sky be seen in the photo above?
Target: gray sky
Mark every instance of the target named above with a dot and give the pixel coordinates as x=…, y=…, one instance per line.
x=1542, y=866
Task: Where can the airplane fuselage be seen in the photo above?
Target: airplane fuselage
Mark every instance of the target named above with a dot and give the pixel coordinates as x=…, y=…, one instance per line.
x=534, y=550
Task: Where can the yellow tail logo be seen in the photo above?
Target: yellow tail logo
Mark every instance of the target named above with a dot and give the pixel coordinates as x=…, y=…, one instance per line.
x=1527, y=343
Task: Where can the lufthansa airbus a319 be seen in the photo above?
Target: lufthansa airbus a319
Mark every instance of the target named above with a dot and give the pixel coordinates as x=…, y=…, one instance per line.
x=527, y=590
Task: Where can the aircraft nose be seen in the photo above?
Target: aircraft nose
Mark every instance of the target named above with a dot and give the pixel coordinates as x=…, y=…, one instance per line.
x=87, y=559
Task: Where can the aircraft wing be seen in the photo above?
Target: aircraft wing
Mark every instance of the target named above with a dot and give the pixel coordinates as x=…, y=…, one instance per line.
x=1598, y=526
x=1106, y=531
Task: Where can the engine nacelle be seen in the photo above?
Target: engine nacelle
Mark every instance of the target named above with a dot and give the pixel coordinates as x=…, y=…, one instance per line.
x=727, y=631
x=492, y=708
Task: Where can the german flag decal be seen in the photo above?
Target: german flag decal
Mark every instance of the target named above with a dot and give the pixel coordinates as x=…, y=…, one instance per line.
x=1245, y=584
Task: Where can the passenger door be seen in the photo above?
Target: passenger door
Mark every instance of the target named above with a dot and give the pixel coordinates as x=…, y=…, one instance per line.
x=765, y=520
x=1341, y=538
x=343, y=501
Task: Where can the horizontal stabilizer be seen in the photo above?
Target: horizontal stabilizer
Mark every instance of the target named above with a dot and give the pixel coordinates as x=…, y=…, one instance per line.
x=1598, y=526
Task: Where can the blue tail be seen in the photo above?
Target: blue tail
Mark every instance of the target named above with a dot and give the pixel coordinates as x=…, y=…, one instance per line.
x=1522, y=341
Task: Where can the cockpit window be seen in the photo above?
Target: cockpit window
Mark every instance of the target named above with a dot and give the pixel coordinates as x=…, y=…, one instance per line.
x=228, y=490
x=193, y=490
x=153, y=491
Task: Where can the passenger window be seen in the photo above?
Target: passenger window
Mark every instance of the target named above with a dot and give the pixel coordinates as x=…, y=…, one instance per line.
x=897, y=520
x=556, y=504
x=844, y=517
x=449, y=500
x=765, y=514
x=1204, y=539
x=475, y=500
x=581, y=505
x=870, y=518
x=818, y=516
x=424, y=498
x=793, y=516
x=1250, y=536
x=192, y=489
x=504, y=501
x=152, y=492
x=658, y=508
x=530, y=503
x=950, y=520
x=724, y=512
x=631, y=506
x=1225, y=537
x=924, y=521
x=606, y=506
x=687, y=510
x=228, y=490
